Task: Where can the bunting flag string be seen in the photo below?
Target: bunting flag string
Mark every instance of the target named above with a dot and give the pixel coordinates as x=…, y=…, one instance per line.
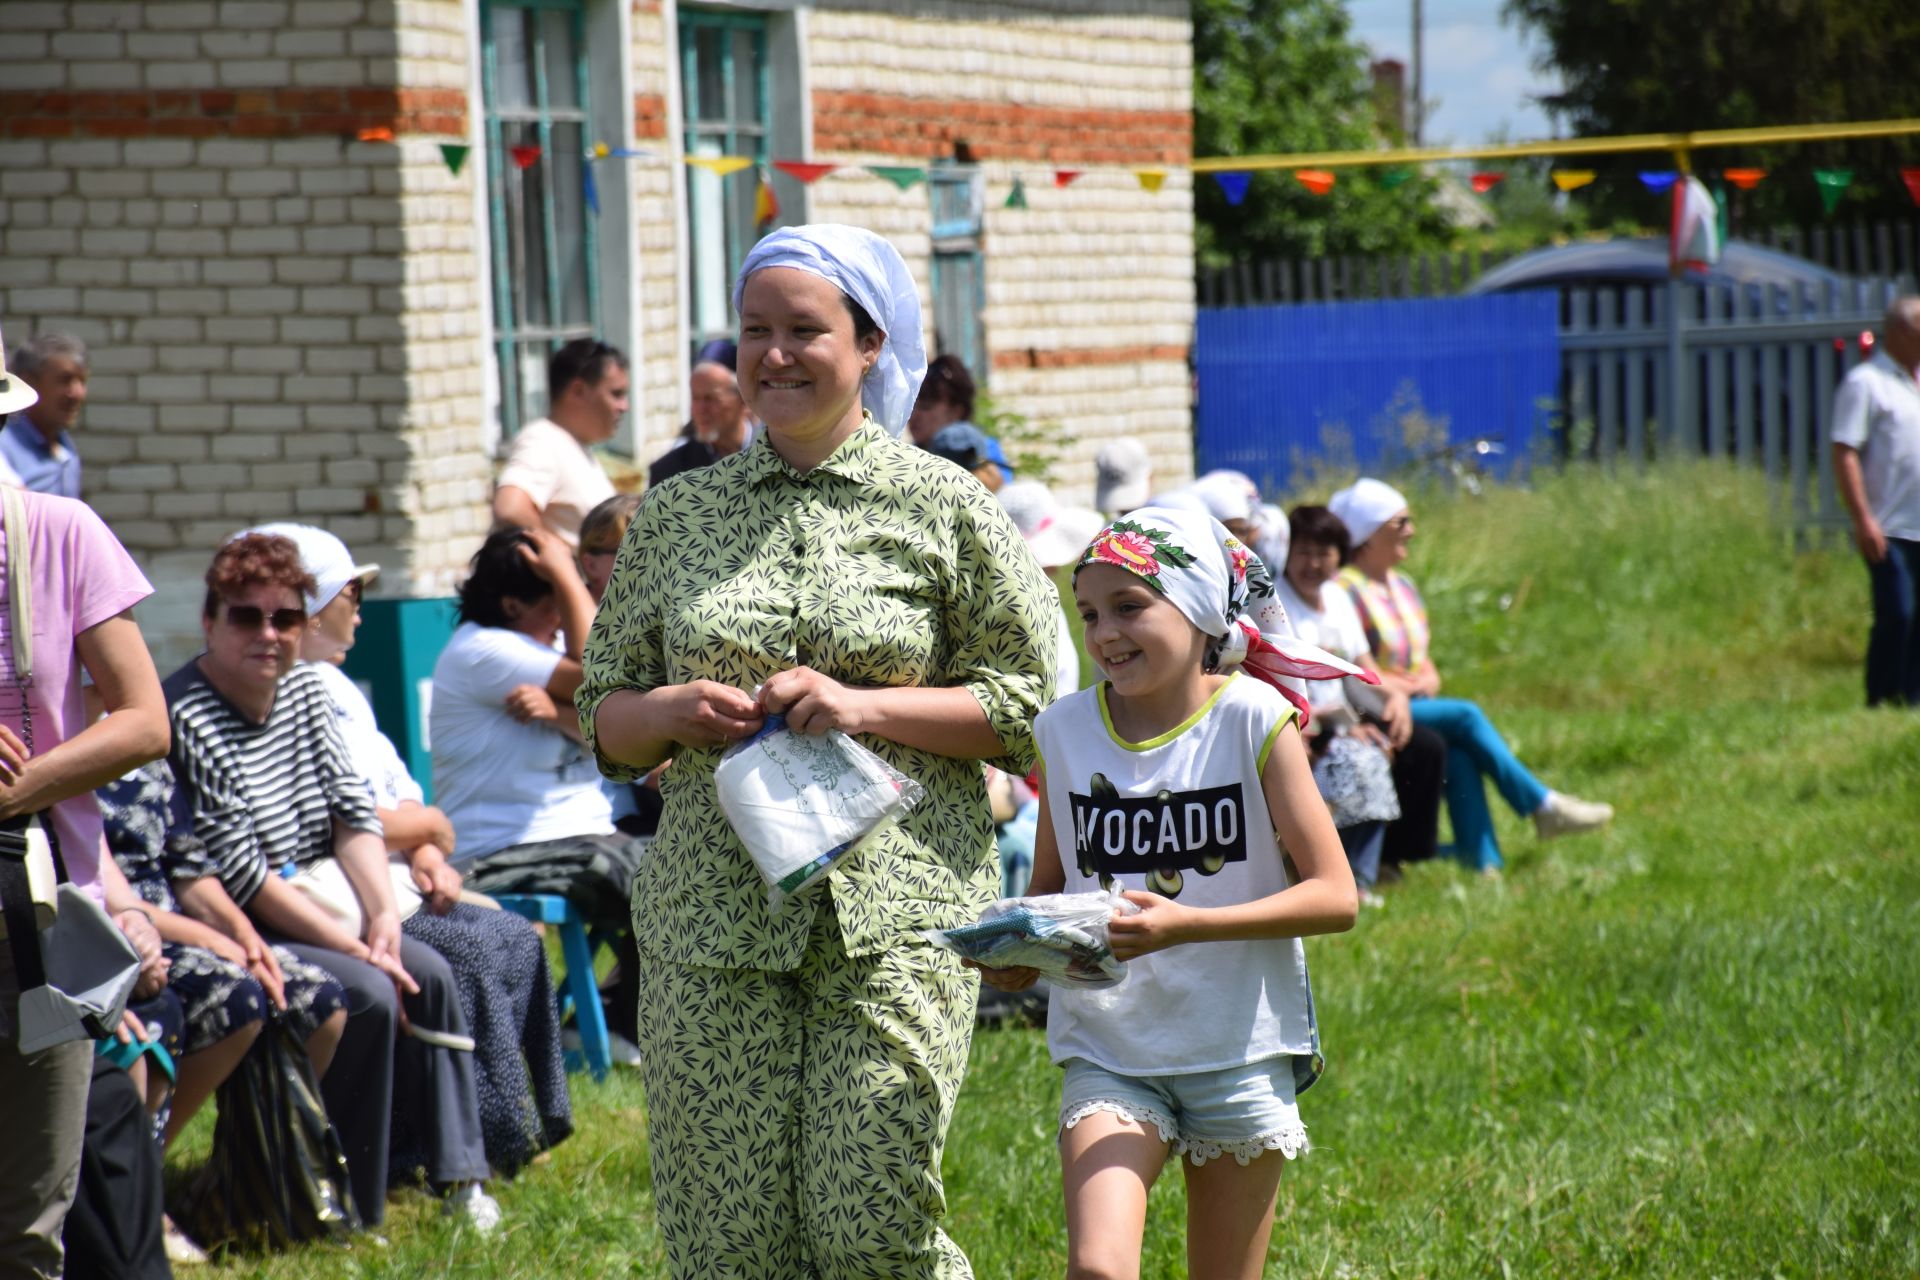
x=524, y=156
x=1017, y=198
x=1318, y=181
x=1573, y=179
x=901, y=176
x=1065, y=177
x=1391, y=178
x=803, y=171
x=1833, y=185
x=1912, y=178
x=1233, y=185
x=1150, y=179
x=1658, y=179
x=455, y=154
x=720, y=166
x=1745, y=179
x=1486, y=181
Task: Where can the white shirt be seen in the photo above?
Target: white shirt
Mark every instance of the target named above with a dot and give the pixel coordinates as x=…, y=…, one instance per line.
x=1189, y=802
x=370, y=752
x=1877, y=411
x=1335, y=627
x=1066, y=661
x=559, y=473
x=501, y=782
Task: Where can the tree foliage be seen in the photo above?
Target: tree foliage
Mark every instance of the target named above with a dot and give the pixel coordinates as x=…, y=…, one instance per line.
x=1653, y=66
x=1276, y=76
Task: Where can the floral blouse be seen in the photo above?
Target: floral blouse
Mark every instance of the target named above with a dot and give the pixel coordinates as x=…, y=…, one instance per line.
x=883, y=566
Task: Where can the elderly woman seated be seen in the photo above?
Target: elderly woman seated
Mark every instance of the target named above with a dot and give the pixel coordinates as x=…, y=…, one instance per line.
x=524, y=797
x=274, y=798
x=1395, y=619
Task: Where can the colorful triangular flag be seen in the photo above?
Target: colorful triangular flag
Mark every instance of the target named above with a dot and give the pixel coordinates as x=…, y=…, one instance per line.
x=805, y=171
x=1318, y=181
x=1150, y=179
x=1658, y=179
x=1833, y=185
x=524, y=156
x=766, y=206
x=589, y=188
x=1391, y=178
x=377, y=133
x=1065, y=177
x=1745, y=179
x=1486, y=181
x=1017, y=198
x=1233, y=185
x=720, y=166
x=632, y=153
x=1912, y=178
x=1695, y=234
x=455, y=154
x=1572, y=179
x=901, y=176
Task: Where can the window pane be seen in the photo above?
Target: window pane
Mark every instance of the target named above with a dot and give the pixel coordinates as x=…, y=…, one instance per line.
x=513, y=62
x=746, y=83
x=561, y=57
x=531, y=358
x=710, y=51
x=706, y=218
x=526, y=225
x=569, y=223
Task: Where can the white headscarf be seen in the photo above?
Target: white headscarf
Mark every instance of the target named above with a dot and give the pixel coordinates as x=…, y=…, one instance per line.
x=868, y=269
x=1222, y=588
x=1365, y=505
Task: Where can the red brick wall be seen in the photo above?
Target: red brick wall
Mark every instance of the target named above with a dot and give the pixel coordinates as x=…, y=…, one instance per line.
x=234, y=113
x=897, y=125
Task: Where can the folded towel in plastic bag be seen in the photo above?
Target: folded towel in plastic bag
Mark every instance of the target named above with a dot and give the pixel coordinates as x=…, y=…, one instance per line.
x=802, y=802
x=1063, y=935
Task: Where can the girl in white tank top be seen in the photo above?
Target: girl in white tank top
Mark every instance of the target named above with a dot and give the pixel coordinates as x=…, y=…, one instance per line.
x=1172, y=778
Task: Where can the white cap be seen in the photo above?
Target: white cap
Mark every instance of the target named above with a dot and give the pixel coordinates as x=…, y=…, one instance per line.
x=1125, y=476
x=1365, y=505
x=322, y=555
x=1179, y=500
x=15, y=394
x=1056, y=534
x=1229, y=495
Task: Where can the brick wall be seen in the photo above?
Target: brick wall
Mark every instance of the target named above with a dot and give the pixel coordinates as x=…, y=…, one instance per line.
x=284, y=320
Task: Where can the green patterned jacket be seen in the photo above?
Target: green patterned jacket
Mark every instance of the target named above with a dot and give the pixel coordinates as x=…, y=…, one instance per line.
x=884, y=565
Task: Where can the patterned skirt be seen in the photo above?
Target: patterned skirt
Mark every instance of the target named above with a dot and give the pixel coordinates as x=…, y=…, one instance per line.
x=220, y=997
x=1356, y=781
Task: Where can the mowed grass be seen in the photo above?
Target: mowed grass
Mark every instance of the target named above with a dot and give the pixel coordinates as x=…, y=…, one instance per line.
x=1686, y=1047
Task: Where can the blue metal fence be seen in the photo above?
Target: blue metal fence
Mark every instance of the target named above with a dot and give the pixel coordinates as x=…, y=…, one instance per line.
x=1373, y=383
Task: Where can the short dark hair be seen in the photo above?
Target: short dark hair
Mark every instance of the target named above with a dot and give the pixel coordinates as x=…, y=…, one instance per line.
x=255, y=560
x=1310, y=526
x=582, y=360
x=948, y=379
x=497, y=573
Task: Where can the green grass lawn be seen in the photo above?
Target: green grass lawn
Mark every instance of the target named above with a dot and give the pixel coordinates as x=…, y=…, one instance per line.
x=1686, y=1047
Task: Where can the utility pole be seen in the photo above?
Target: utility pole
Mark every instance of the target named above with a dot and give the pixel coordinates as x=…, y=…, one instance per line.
x=1416, y=109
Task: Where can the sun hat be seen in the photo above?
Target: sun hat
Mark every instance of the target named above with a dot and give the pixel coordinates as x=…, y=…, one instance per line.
x=1229, y=495
x=1123, y=476
x=322, y=555
x=15, y=394
x=1365, y=505
x=1055, y=534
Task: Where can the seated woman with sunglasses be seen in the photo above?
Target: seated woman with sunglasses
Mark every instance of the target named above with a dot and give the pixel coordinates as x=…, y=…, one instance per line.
x=260, y=758
x=1394, y=618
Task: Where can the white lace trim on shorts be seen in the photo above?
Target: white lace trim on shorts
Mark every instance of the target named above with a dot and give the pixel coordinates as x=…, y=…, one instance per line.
x=1290, y=1142
x=1169, y=1132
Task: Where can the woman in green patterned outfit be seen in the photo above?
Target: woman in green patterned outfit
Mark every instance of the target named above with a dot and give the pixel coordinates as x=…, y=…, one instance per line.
x=801, y=1068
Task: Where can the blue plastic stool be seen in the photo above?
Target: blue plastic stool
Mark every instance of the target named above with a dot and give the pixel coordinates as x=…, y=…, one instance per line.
x=577, y=987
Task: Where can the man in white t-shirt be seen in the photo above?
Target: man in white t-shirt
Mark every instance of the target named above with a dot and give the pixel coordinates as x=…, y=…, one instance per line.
x=551, y=478
x=1876, y=464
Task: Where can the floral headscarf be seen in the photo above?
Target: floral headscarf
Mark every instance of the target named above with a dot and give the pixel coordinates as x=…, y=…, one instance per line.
x=1221, y=587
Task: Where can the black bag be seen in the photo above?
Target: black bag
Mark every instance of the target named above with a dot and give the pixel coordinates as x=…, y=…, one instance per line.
x=277, y=1175
x=113, y=1229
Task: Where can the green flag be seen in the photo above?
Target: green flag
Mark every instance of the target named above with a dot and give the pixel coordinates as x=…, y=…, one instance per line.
x=901, y=176
x=1017, y=198
x=455, y=154
x=1833, y=185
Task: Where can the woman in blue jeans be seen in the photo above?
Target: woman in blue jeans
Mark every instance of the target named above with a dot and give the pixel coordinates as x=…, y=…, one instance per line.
x=1395, y=619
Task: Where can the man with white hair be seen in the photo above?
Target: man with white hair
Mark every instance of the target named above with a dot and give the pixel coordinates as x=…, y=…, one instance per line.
x=1876, y=464
x=35, y=444
x=721, y=424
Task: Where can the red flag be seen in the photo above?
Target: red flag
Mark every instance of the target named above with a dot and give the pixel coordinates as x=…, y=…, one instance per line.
x=1912, y=178
x=1745, y=179
x=804, y=171
x=524, y=156
x=1318, y=181
x=376, y=133
x=1485, y=182
x=1064, y=177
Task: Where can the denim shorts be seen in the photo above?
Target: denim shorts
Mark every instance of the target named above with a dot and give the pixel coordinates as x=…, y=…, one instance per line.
x=1239, y=1111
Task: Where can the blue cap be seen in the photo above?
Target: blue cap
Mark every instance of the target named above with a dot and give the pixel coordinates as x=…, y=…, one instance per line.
x=997, y=453
x=963, y=443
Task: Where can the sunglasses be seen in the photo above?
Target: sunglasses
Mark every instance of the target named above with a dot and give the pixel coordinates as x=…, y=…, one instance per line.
x=251, y=617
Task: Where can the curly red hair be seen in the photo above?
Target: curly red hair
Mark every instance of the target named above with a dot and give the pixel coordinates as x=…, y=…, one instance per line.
x=258, y=559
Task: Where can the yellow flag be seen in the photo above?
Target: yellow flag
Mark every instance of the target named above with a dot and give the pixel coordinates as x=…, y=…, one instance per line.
x=1151, y=179
x=720, y=166
x=1572, y=179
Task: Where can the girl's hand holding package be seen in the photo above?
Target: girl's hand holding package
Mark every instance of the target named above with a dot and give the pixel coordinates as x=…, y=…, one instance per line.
x=1014, y=979
x=1159, y=924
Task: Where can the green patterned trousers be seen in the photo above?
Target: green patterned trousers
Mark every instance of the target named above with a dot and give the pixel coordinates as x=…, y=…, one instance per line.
x=797, y=1119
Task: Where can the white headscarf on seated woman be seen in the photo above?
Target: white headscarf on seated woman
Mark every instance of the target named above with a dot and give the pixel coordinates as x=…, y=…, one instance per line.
x=868, y=269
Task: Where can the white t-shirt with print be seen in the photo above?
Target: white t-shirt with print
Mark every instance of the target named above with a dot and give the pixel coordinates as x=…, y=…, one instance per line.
x=559, y=473
x=1877, y=411
x=500, y=782
x=370, y=752
x=1335, y=626
x=1188, y=802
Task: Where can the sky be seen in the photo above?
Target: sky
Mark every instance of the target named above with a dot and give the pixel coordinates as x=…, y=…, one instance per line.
x=1479, y=69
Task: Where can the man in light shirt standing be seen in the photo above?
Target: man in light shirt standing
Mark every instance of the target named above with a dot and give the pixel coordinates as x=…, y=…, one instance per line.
x=1876, y=464
x=551, y=478
x=36, y=447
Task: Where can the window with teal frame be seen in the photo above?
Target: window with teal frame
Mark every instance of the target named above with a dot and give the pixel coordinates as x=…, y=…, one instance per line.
x=724, y=91
x=546, y=288
x=959, y=265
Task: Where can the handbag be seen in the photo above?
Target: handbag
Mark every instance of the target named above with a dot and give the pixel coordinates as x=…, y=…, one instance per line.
x=25, y=841
x=324, y=883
